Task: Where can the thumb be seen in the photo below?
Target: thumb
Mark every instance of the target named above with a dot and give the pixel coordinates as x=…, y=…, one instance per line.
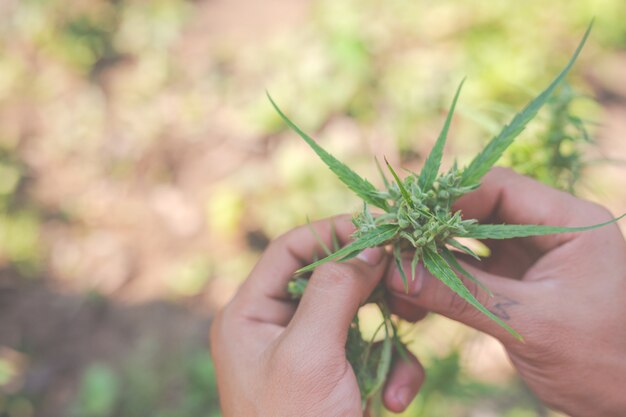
x=428, y=292
x=334, y=294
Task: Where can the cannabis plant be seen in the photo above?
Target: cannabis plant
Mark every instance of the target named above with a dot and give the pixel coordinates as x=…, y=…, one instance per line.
x=417, y=218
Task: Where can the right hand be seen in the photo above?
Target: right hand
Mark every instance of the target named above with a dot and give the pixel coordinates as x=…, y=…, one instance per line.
x=564, y=293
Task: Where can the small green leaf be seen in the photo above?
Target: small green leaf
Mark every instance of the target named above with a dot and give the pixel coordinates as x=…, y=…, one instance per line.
x=323, y=245
x=401, y=348
x=437, y=266
x=508, y=231
x=414, y=262
x=383, y=364
x=373, y=238
x=454, y=263
x=397, y=256
x=382, y=174
x=360, y=186
x=492, y=152
x=433, y=162
x=405, y=193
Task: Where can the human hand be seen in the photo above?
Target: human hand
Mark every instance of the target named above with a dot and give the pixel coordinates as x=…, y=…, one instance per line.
x=277, y=358
x=565, y=294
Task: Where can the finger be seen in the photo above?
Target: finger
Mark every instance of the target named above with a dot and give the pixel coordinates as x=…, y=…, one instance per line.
x=333, y=296
x=507, y=197
x=403, y=382
x=427, y=292
x=509, y=258
x=405, y=309
x=264, y=297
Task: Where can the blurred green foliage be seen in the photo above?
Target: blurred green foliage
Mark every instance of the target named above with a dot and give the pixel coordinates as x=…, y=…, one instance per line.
x=19, y=218
x=181, y=386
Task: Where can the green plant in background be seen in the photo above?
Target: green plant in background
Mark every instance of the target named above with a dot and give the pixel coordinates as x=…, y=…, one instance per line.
x=19, y=220
x=188, y=390
x=417, y=217
x=99, y=392
x=554, y=155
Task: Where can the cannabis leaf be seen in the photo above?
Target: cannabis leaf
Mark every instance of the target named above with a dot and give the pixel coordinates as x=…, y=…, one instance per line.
x=373, y=238
x=440, y=269
x=431, y=166
x=494, y=150
x=362, y=187
x=508, y=231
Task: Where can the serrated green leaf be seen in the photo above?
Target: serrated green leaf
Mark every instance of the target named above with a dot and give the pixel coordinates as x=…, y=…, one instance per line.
x=454, y=263
x=373, y=238
x=438, y=267
x=508, y=231
x=356, y=183
x=433, y=162
x=405, y=193
x=494, y=150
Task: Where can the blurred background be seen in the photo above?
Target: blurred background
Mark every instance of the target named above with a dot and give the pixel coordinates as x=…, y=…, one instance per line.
x=142, y=170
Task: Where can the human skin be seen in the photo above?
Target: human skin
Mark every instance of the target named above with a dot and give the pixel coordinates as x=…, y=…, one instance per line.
x=276, y=358
x=564, y=293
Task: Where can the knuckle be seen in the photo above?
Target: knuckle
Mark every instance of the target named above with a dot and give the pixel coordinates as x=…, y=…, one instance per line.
x=335, y=275
x=281, y=240
x=459, y=307
x=294, y=363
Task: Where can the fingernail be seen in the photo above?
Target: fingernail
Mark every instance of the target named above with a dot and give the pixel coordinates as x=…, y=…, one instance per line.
x=371, y=256
x=403, y=396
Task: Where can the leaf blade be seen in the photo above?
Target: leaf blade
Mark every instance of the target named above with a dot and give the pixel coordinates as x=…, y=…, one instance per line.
x=433, y=162
x=317, y=237
x=403, y=191
x=509, y=231
x=397, y=256
x=458, y=245
x=438, y=267
x=376, y=237
x=481, y=164
x=382, y=174
x=362, y=187
x=449, y=257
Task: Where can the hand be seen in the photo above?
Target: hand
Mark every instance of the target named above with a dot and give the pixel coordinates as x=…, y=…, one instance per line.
x=276, y=358
x=565, y=294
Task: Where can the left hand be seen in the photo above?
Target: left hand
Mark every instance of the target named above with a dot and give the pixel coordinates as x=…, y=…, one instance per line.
x=275, y=357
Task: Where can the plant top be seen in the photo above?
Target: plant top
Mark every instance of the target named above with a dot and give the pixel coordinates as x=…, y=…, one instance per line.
x=417, y=216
